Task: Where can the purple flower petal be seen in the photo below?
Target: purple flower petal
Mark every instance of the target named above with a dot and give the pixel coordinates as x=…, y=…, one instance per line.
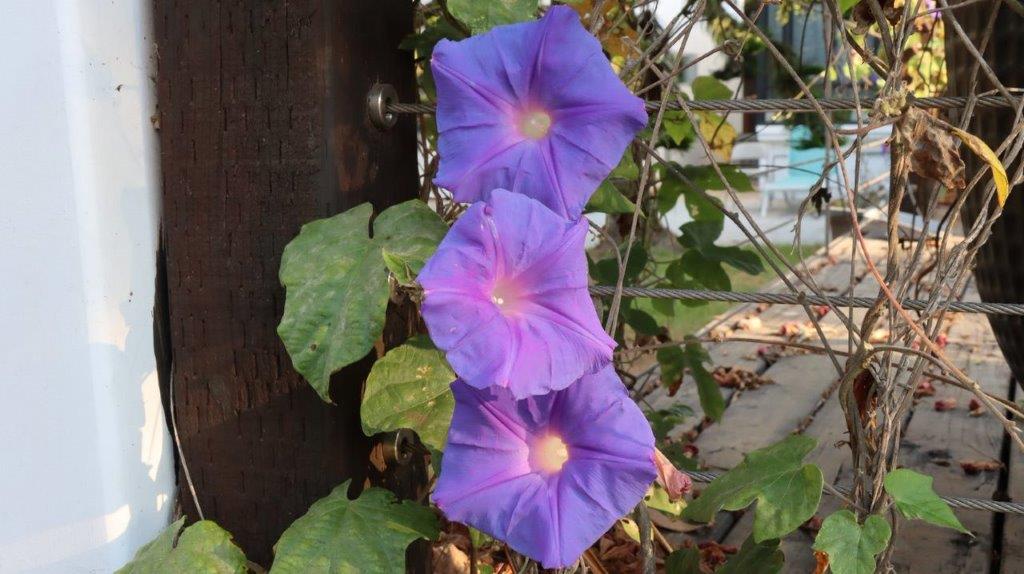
x=505, y=296
x=534, y=108
x=548, y=474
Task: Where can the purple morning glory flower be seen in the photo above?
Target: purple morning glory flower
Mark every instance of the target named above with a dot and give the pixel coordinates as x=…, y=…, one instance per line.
x=505, y=296
x=548, y=474
x=534, y=108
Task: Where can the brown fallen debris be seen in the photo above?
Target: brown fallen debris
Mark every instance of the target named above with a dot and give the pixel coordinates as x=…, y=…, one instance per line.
x=976, y=408
x=748, y=323
x=739, y=378
x=791, y=329
x=879, y=335
x=943, y=405
x=618, y=552
x=720, y=332
x=973, y=467
x=447, y=558
x=713, y=554
x=770, y=353
x=924, y=389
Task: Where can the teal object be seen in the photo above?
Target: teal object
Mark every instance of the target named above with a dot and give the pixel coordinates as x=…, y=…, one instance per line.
x=804, y=169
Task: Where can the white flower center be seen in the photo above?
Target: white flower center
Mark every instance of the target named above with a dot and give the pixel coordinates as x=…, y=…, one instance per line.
x=535, y=124
x=506, y=295
x=549, y=454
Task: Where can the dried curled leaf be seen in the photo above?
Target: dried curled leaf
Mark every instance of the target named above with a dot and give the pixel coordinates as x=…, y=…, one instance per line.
x=933, y=152
x=982, y=150
x=863, y=18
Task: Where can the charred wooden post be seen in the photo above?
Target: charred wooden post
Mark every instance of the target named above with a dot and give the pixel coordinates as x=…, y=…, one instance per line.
x=263, y=127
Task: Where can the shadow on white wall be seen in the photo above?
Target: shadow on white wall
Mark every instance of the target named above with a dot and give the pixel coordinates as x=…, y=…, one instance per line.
x=88, y=467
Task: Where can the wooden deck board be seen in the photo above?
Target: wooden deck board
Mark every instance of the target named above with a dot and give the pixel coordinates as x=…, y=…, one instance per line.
x=934, y=442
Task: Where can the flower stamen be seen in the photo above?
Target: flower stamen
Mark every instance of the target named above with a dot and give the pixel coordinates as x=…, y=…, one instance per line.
x=549, y=454
x=506, y=295
x=535, y=124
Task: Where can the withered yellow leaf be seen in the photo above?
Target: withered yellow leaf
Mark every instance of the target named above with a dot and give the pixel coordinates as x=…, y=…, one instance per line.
x=982, y=150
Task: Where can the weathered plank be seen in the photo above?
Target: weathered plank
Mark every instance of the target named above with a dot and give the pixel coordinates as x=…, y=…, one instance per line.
x=764, y=416
x=1012, y=552
x=935, y=443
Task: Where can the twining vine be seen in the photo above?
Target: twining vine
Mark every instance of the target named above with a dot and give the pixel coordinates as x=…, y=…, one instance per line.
x=543, y=172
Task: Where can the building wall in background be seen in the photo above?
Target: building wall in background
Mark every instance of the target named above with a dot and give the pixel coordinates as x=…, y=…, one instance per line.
x=87, y=462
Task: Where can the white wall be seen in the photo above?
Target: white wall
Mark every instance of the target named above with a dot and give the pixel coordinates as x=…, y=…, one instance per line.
x=87, y=471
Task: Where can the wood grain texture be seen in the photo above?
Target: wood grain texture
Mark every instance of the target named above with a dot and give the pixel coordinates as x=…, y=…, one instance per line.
x=263, y=128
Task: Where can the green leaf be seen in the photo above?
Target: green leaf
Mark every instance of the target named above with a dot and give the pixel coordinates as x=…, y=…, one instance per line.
x=671, y=362
x=657, y=498
x=674, y=360
x=669, y=191
x=914, y=497
x=700, y=205
x=479, y=539
x=664, y=420
x=664, y=307
x=742, y=259
x=705, y=177
x=423, y=43
x=710, y=88
x=408, y=233
x=677, y=454
x=342, y=536
x=701, y=235
x=711, y=400
x=409, y=388
x=707, y=272
x=626, y=169
x=679, y=277
x=606, y=271
x=607, y=199
x=684, y=561
x=755, y=558
x=336, y=278
x=641, y=321
x=677, y=126
x=703, y=207
x=852, y=548
x=787, y=491
x=203, y=547
x=482, y=16
x=846, y=5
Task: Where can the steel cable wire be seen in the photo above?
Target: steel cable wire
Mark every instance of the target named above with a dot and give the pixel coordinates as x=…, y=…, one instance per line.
x=1014, y=309
x=954, y=501
x=774, y=104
